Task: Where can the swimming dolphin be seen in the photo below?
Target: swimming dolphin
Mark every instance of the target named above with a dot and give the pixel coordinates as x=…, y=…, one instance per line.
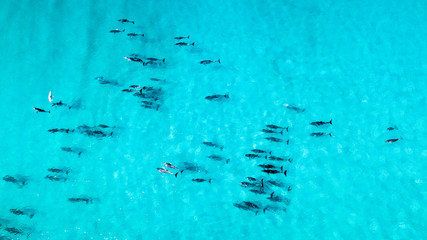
x=102, y=80
x=116, y=31
x=272, y=126
x=170, y=165
x=217, y=96
x=205, y=62
x=393, y=140
x=319, y=134
x=259, y=151
x=201, y=180
x=251, y=178
x=56, y=178
x=125, y=21
x=215, y=145
x=14, y=231
x=273, y=158
x=296, y=109
x=162, y=170
x=271, y=171
x=59, y=170
x=258, y=191
x=71, y=150
x=184, y=44
x=392, y=128
x=271, y=131
x=252, y=156
x=60, y=103
x=25, y=212
x=273, y=139
x=156, y=59
x=320, y=123
x=276, y=183
x=180, y=38
x=22, y=181
x=135, y=35
x=55, y=130
x=218, y=158
x=268, y=166
x=40, y=110
x=81, y=199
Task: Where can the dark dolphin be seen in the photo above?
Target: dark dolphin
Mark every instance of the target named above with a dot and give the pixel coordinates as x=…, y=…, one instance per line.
x=392, y=140
x=217, y=97
x=320, y=134
x=320, y=123
x=215, y=145
x=126, y=21
x=294, y=108
x=205, y=62
x=201, y=180
x=184, y=44
x=81, y=199
x=116, y=31
x=135, y=35
x=40, y=110
x=180, y=38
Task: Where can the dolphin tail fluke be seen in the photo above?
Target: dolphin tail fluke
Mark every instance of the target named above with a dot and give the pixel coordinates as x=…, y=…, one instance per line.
x=227, y=161
x=80, y=153
x=281, y=168
x=133, y=22
x=210, y=180
x=262, y=182
x=221, y=148
x=219, y=60
x=264, y=210
x=48, y=111
x=176, y=174
x=287, y=142
x=192, y=44
x=266, y=156
x=330, y=122
x=287, y=129
x=164, y=59
x=188, y=37
x=285, y=172
x=256, y=213
x=271, y=195
x=123, y=30
x=281, y=132
x=270, y=153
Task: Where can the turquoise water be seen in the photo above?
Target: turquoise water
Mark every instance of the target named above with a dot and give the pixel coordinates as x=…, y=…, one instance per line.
x=361, y=63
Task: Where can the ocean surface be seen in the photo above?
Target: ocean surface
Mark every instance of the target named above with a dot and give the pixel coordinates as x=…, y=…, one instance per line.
x=362, y=64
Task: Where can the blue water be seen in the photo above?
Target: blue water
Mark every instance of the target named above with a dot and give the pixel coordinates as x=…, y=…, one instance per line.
x=361, y=63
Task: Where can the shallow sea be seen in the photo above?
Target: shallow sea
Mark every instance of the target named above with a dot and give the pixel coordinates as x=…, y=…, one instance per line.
x=361, y=63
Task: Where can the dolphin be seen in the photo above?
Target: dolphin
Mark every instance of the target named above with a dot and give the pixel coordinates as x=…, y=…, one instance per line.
x=116, y=31
x=180, y=38
x=201, y=180
x=126, y=21
x=205, y=62
x=320, y=123
x=40, y=110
